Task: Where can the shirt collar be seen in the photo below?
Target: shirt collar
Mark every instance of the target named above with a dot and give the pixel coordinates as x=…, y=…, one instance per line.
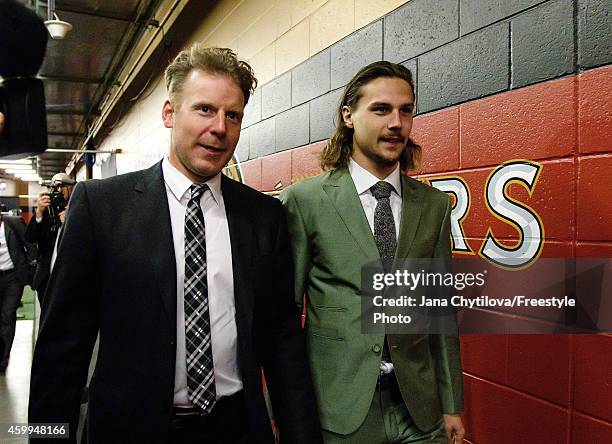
x=364, y=180
x=179, y=184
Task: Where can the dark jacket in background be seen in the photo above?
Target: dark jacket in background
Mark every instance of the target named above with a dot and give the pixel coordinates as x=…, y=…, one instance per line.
x=40, y=233
x=20, y=251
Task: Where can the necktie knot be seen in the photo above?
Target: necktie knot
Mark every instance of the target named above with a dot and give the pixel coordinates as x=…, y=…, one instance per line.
x=197, y=189
x=381, y=190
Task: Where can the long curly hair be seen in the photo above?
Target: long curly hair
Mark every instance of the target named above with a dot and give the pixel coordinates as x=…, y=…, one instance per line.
x=337, y=151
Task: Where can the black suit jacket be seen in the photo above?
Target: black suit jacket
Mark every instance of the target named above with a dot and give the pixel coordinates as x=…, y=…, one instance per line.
x=40, y=233
x=19, y=250
x=121, y=281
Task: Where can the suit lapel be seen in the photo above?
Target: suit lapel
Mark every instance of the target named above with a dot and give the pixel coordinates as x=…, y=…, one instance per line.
x=412, y=203
x=151, y=203
x=241, y=239
x=342, y=194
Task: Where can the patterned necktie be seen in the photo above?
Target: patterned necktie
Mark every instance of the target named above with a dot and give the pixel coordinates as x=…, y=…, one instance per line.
x=384, y=226
x=386, y=240
x=200, y=371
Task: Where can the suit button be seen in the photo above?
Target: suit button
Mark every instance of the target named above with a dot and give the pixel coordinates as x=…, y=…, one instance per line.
x=376, y=348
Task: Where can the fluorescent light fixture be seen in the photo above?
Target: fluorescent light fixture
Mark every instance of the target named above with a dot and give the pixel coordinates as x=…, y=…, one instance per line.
x=8, y=166
x=27, y=175
x=30, y=178
x=17, y=162
x=18, y=172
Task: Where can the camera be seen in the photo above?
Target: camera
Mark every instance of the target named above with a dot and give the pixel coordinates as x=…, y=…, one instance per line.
x=58, y=201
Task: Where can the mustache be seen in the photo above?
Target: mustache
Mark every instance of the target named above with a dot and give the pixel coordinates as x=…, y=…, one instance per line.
x=397, y=137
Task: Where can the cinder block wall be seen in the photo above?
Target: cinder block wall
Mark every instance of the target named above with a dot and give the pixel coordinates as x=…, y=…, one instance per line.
x=272, y=35
x=496, y=81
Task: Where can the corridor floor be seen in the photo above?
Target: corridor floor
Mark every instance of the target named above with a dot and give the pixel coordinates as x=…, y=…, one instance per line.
x=15, y=384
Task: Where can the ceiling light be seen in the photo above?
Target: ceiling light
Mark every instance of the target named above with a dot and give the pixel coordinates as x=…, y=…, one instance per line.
x=20, y=172
x=8, y=166
x=17, y=162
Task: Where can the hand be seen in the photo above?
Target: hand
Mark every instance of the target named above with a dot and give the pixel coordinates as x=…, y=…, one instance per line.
x=453, y=428
x=62, y=216
x=44, y=201
x=1, y=122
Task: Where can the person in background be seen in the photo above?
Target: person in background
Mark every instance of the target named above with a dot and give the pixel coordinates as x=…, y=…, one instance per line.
x=14, y=270
x=44, y=228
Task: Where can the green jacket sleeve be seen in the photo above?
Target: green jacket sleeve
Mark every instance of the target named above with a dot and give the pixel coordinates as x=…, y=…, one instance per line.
x=299, y=242
x=445, y=348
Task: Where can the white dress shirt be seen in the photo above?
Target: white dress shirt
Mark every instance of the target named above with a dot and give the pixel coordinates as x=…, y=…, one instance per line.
x=364, y=180
x=5, y=257
x=221, y=306
x=55, y=242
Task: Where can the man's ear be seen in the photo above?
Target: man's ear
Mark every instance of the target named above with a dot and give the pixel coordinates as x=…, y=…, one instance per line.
x=347, y=116
x=168, y=114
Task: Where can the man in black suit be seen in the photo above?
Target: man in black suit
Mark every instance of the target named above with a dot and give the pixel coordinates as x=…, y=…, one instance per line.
x=43, y=231
x=187, y=276
x=14, y=254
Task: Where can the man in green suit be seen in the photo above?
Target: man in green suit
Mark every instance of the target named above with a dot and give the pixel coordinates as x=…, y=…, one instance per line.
x=372, y=388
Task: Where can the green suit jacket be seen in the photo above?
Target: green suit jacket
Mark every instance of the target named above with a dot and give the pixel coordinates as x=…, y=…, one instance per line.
x=332, y=240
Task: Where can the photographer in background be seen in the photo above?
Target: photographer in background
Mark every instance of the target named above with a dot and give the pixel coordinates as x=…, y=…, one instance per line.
x=45, y=227
x=14, y=254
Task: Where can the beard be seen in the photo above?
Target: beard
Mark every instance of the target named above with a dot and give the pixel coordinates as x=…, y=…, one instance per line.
x=383, y=160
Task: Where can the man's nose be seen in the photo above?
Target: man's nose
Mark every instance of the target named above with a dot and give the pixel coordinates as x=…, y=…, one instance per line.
x=218, y=127
x=395, y=120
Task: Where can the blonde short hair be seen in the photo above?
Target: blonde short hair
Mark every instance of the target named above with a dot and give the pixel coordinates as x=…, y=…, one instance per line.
x=221, y=61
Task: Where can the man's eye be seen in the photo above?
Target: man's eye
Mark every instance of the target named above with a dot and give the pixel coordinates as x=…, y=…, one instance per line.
x=380, y=109
x=232, y=115
x=204, y=109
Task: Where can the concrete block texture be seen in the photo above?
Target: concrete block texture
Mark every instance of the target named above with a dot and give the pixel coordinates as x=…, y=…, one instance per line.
x=537, y=122
x=420, y=26
x=262, y=138
x=594, y=111
x=438, y=135
x=252, y=111
x=476, y=14
x=332, y=21
x=291, y=48
x=412, y=66
x=367, y=11
x=471, y=67
x=276, y=95
x=322, y=114
x=354, y=52
x=292, y=128
x=594, y=33
x=242, y=149
x=310, y=79
x=543, y=43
